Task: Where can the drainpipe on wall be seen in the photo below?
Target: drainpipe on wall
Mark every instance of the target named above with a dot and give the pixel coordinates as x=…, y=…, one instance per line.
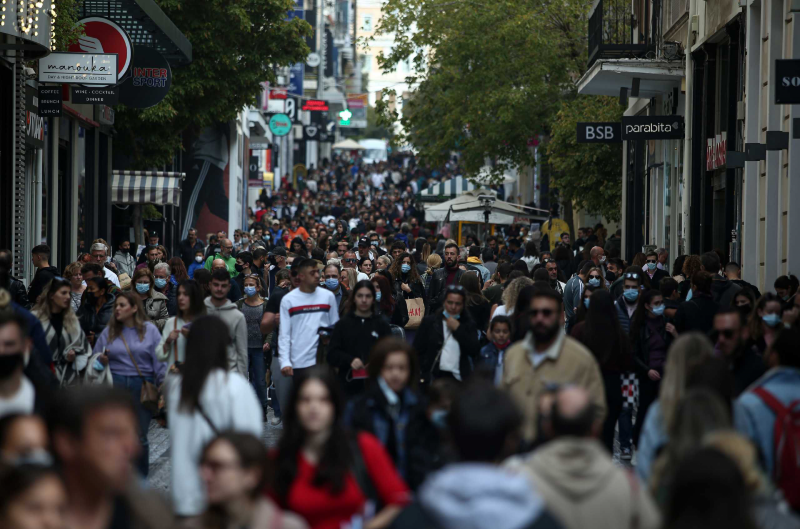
x=687, y=141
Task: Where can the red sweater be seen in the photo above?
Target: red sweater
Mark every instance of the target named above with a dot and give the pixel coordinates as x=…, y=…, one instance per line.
x=322, y=510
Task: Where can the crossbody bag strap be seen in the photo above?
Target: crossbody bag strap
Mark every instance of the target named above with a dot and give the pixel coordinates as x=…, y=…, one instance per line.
x=175, y=343
x=206, y=417
x=131, y=356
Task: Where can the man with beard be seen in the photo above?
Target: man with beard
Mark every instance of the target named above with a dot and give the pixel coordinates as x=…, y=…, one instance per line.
x=552, y=271
x=547, y=357
x=745, y=363
x=449, y=274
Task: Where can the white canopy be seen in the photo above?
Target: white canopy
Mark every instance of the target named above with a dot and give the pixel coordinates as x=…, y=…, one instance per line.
x=468, y=208
x=460, y=184
x=348, y=145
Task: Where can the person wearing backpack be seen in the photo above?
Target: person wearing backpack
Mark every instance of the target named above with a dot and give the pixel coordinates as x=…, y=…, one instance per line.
x=771, y=412
x=328, y=476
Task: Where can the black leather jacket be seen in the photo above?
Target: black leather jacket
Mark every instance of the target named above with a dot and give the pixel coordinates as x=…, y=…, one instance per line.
x=438, y=287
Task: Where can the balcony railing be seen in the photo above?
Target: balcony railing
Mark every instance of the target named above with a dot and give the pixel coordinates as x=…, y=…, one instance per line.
x=615, y=33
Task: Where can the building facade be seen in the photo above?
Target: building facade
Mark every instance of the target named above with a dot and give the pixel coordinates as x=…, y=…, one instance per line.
x=725, y=183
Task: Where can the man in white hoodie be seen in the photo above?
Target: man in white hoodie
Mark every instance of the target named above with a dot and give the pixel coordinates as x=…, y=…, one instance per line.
x=219, y=305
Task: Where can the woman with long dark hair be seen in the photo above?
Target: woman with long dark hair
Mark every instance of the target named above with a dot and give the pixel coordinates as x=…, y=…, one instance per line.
x=765, y=321
x=325, y=474
x=235, y=470
x=394, y=312
x=172, y=348
x=354, y=335
x=602, y=334
x=651, y=336
x=68, y=343
x=477, y=304
x=204, y=400
x=97, y=306
x=298, y=247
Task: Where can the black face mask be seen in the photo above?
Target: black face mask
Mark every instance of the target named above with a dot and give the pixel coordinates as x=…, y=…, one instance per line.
x=9, y=365
x=238, y=267
x=610, y=276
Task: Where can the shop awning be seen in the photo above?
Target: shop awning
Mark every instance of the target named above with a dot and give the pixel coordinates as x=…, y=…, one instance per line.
x=449, y=188
x=607, y=76
x=146, y=187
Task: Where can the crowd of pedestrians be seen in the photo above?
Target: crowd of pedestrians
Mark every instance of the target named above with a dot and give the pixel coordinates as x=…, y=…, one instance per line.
x=416, y=381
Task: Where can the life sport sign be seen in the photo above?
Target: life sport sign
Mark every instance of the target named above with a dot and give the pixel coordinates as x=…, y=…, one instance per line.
x=652, y=127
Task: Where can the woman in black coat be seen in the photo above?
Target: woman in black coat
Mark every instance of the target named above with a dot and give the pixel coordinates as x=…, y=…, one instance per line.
x=354, y=335
x=431, y=337
x=97, y=306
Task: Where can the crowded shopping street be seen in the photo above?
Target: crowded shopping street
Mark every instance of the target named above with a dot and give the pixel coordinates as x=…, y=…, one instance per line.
x=360, y=264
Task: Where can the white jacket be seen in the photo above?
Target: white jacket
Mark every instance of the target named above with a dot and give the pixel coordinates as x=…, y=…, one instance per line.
x=231, y=404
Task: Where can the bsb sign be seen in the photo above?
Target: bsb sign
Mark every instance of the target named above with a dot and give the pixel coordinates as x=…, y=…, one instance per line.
x=787, y=85
x=599, y=133
x=652, y=127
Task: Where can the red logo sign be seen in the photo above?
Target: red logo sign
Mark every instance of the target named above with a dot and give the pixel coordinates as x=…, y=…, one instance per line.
x=316, y=105
x=105, y=36
x=278, y=93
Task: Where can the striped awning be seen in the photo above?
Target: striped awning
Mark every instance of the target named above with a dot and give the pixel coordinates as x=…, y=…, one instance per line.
x=449, y=188
x=146, y=187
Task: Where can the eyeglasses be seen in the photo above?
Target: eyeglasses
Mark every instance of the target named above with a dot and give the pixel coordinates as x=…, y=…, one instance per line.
x=631, y=275
x=544, y=312
x=595, y=277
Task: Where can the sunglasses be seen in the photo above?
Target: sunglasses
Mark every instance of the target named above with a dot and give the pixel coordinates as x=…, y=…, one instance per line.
x=544, y=312
x=349, y=260
x=727, y=333
x=652, y=260
x=595, y=277
x=456, y=288
x=631, y=275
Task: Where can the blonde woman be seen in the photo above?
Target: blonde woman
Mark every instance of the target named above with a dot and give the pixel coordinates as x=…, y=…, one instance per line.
x=349, y=277
x=510, y=295
x=686, y=353
x=434, y=262
x=129, y=345
x=73, y=274
x=68, y=343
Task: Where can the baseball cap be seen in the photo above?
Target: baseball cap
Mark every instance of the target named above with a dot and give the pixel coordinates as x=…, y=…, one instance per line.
x=363, y=241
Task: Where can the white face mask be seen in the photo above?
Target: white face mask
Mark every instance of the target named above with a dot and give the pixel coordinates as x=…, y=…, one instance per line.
x=199, y=258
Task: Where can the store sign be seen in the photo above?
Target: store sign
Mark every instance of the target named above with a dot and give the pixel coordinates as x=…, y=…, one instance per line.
x=50, y=101
x=716, y=151
x=102, y=35
x=280, y=124
x=599, y=133
x=652, y=127
x=316, y=105
x=34, y=122
x=150, y=79
x=311, y=132
x=95, y=69
x=258, y=143
x=787, y=85
x=105, y=95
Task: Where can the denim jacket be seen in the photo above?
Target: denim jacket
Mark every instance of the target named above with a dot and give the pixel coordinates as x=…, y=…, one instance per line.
x=492, y=358
x=759, y=423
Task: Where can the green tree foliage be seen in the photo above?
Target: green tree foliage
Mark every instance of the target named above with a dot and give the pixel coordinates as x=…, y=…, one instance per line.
x=66, y=27
x=487, y=75
x=235, y=46
x=587, y=174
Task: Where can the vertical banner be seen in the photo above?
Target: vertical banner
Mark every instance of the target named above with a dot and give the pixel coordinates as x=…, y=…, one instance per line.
x=204, y=197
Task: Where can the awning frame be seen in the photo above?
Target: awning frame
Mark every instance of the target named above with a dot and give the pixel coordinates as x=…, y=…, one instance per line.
x=161, y=188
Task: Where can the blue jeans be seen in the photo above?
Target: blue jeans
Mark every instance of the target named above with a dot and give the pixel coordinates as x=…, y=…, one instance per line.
x=258, y=371
x=134, y=386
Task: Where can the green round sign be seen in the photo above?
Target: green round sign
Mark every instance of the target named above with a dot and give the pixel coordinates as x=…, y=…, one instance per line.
x=280, y=124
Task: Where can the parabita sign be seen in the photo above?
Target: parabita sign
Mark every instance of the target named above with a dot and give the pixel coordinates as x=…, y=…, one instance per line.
x=652, y=127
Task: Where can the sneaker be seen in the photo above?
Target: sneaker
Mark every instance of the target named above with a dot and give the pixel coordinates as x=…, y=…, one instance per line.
x=625, y=454
x=277, y=420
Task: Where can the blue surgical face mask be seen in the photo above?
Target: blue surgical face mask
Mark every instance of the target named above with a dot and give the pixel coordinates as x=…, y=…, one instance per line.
x=142, y=288
x=659, y=310
x=586, y=302
x=439, y=419
x=378, y=295
x=651, y=266
x=332, y=283
x=375, y=243
x=406, y=268
x=689, y=295
x=160, y=283
x=631, y=294
x=772, y=320
x=250, y=291
x=448, y=315
x=594, y=282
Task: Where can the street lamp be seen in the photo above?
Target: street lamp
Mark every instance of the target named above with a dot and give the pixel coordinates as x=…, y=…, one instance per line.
x=486, y=201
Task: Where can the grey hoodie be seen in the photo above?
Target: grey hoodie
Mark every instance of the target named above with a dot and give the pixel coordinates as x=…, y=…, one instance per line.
x=237, y=350
x=480, y=496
